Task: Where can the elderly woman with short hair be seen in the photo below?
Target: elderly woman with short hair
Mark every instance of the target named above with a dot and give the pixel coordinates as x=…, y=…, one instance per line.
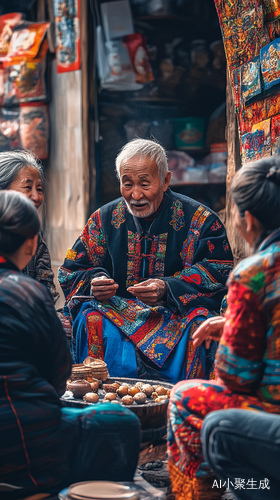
x=20, y=171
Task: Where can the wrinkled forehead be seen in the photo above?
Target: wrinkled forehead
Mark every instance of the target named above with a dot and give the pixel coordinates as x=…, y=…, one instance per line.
x=28, y=173
x=139, y=166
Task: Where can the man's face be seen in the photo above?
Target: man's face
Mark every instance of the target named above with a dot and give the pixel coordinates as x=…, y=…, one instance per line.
x=141, y=186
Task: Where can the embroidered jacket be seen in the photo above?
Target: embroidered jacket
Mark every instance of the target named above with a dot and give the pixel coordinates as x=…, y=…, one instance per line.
x=248, y=357
x=186, y=246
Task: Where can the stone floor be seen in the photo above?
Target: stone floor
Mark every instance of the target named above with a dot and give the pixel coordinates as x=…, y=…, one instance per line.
x=157, y=475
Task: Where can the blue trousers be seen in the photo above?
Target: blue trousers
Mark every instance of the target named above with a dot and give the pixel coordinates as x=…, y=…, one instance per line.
x=243, y=449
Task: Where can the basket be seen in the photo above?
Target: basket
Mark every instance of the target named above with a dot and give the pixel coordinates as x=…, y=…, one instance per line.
x=81, y=372
x=99, y=368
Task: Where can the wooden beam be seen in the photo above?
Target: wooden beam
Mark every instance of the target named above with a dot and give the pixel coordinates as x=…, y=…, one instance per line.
x=85, y=98
x=239, y=247
x=41, y=10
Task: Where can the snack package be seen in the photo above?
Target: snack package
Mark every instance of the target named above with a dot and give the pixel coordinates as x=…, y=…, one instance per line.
x=67, y=30
x=9, y=129
x=26, y=42
x=34, y=128
x=7, y=23
x=25, y=78
x=139, y=57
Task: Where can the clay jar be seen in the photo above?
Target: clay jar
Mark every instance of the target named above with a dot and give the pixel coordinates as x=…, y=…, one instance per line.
x=79, y=388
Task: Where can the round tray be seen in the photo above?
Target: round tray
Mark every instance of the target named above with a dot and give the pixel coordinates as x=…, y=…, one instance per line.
x=152, y=415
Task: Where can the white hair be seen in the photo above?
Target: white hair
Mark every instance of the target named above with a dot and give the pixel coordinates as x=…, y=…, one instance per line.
x=142, y=148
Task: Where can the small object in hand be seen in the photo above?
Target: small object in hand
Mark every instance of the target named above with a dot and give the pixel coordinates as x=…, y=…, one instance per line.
x=79, y=388
x=109, y=388
x=147, y=389
x=127, y=400
x=110, y=396
x=133, y=390
x=91, y=397
x=122, y=391
x=161, y=390
x=140, y=398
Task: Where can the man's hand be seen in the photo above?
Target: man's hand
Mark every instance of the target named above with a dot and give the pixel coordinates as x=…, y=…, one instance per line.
x=103, y=288
x=211, y=329
x=150, y=292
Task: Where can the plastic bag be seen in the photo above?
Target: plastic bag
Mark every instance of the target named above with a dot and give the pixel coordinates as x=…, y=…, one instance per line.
x=9, y=129
x=24, y=79
x=7, y=23
x=26, y=42
x=34, y=128
x=139, y=57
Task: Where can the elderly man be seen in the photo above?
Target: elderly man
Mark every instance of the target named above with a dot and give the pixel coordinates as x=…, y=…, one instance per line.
x=147, y=269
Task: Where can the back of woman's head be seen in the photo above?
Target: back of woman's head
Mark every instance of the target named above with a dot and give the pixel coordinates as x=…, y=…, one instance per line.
x=256, y=188
x=18, y=221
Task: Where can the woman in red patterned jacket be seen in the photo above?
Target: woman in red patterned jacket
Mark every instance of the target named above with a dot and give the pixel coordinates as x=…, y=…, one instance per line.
x=248, y=357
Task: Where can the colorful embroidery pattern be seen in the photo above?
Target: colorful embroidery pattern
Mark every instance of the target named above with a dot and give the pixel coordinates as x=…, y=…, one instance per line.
x=178, y=218
x=188, y=297
x=210, y=246
x=94, y=239
x=156, y=257
x=118, y=214
x=190, y=244
x=155, y=331
x=216, y=226
x=71, y=254
x=94, y=323
x=226, y=246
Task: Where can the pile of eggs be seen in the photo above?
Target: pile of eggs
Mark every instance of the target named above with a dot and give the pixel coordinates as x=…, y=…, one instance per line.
x=124, y=393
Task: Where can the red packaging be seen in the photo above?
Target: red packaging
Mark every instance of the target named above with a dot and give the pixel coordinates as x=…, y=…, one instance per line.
x=139, y=57
x=34, y=128
x=7, y=23
x=26, y=42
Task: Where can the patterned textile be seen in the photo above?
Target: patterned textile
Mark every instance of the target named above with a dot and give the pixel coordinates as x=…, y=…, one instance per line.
x=39, y=267
x=247, y=40
x=247, y=361
x=44, y=448
x=175, y=247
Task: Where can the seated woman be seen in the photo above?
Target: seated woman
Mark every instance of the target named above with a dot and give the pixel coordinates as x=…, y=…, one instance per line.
x=248, y=357
x=44, y=448
x=20, y=171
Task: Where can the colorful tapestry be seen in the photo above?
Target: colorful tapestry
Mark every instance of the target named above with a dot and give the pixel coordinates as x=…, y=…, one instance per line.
x=275, y=135
x=254, y=146
x=271, y=9
x=270, y=64
x=250, y=79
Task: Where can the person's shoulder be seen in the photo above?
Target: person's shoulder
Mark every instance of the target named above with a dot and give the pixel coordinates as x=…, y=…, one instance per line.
x=252, y=272
x=24, y=289
x=190, y=205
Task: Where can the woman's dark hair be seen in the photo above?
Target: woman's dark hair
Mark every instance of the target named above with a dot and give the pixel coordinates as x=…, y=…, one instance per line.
x=11, y=163
x=256, y=188
x=18, y=221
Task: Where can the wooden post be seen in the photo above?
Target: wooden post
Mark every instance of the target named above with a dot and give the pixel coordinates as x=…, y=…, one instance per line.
x=239, y=247
x=85, y=98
